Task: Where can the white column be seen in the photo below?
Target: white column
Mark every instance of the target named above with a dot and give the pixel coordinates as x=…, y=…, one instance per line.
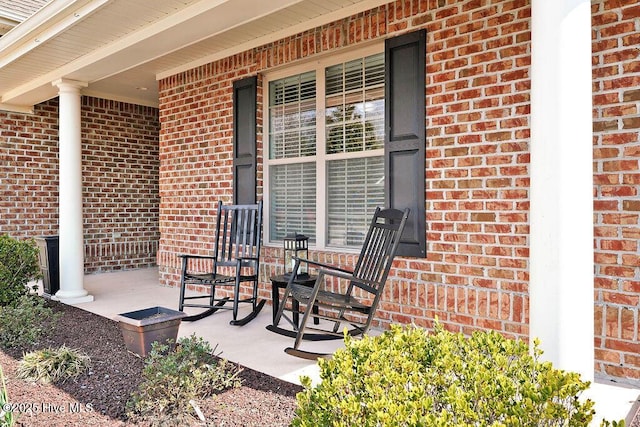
x=70, y=195
x=561, y=257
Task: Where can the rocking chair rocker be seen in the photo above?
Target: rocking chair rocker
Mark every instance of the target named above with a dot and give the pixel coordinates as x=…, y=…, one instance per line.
x=235, y=259
x=356, y=306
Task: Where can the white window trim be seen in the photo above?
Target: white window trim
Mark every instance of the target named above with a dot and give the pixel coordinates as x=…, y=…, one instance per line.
x=320, y=159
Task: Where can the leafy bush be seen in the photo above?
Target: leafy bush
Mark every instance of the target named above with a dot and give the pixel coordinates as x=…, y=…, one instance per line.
x=407, y=377
x=18, y=266
x=173, y=381
x=24, y=322
x=6, y=417
x=53, y=365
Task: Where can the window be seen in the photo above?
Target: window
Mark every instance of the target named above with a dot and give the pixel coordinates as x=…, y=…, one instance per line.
x=325, y=163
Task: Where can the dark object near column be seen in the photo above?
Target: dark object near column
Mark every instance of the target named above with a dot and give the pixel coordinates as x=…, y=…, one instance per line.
x=49, y=263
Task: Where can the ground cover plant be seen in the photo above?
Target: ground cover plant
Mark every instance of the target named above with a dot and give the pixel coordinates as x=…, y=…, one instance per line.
x=25, y=321
x=410, y=377
x=53, y=365
x=175, y=382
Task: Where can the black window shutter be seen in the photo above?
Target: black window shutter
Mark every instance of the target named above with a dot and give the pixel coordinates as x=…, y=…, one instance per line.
x=244, y=140
x=404, y=147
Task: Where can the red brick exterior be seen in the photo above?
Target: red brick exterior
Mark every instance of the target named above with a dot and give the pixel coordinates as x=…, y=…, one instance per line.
x=120, y=180
x=616, y=126
x=29, y=172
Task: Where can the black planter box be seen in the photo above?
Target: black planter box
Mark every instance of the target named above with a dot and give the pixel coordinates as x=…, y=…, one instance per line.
x=48, y=257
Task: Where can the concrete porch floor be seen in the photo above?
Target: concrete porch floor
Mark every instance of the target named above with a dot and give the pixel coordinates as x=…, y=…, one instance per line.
x=257, y=348
x=251, y=345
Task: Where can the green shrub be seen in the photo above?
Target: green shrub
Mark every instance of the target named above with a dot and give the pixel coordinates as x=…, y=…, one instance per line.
x=53, y=365
x=6, y=417
x=408, y=377
x=18, y=266
x=174, y=381
x=24, y=322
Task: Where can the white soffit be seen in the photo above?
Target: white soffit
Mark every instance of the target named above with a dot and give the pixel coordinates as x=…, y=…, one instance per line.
x=119, y=45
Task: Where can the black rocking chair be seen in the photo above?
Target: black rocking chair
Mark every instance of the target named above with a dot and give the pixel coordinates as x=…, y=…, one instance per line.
x=355, y=306
x=235, y=259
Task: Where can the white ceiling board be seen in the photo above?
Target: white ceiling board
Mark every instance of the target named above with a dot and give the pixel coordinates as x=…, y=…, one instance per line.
x=127, y=44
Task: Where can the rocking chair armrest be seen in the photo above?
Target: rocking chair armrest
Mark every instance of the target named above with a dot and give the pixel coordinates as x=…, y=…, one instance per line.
x=327, y=267
x=196, y=256
x=367, y=285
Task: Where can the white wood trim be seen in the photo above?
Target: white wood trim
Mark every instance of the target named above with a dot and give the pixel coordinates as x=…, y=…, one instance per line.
x=16, y=108
x=126, y=99
x=561, y=215
x=321, y=165
x=54, y=17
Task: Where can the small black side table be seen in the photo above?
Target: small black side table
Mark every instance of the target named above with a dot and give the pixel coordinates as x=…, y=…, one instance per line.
x=280, y=282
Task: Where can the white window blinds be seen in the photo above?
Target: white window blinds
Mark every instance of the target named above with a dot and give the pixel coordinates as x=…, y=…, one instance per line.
x=354, y=112
x=356, y=188
x=293, y=200
x=354, y=120
x=292, y=116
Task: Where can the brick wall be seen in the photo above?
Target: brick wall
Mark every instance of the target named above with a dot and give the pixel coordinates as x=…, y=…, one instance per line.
x=196, y=119
x=477, y=159
x=478, y=117
x=121, y=189
x=120, y=180
x=616, y=126
x=29, y=172
x=478, y=84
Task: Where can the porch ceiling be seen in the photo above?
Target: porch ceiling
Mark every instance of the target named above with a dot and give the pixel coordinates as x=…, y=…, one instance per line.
x=121, y=48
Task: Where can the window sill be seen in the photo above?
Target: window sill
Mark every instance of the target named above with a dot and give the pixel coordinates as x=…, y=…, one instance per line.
x=331, y=249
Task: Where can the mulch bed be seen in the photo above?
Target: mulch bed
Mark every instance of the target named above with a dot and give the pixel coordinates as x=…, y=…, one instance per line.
x=98, y=398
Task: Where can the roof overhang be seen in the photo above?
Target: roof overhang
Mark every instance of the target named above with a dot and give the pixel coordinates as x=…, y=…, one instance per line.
x=120, y=49
x=7, y=24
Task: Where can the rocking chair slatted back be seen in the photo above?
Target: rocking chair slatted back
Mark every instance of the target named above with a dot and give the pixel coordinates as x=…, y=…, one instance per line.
x=378, y=250
x=237, y=253
x=239, y=236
